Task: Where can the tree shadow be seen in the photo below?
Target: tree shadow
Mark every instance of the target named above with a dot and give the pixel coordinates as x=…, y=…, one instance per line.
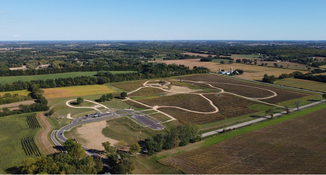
x=255, y=116
x=74, y=103
x=13, y=170
x=312, y=100
x=59, y=148
x=100, y=152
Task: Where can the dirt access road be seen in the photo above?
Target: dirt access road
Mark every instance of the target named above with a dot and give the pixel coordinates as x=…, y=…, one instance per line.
x=42, y=139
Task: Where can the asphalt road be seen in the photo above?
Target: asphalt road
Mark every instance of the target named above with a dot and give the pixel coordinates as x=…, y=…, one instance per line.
x=59, y=134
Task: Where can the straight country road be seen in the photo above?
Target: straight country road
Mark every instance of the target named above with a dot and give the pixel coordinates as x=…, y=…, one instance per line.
x=259, y=119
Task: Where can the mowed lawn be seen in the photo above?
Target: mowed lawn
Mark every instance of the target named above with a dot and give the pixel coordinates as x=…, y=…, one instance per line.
x=304, y=84
x=295, y=146
x=76, y=91
x=13, y=129
x=11, y=79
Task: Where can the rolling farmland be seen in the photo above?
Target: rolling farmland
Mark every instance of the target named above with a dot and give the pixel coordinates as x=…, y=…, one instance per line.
x=17, y=139
x=75, y=91
x=294, y=146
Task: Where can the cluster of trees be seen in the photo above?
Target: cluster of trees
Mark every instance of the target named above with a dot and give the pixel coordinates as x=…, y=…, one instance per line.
x=118, y=158
x=52, y=83
x=206, y=59
x=123, y=95
x=297, y=74
x=179, y=136
x=319, y=78
x=79, y=100
x=74, y=162
x=40, y=105
x=269, y=79
x=9, y=98
x=106, y=97
x=154, y=70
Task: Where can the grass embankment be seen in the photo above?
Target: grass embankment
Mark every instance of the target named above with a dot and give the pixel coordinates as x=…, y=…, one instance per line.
x=13, y=129
x=127, y=130
x=11, y=79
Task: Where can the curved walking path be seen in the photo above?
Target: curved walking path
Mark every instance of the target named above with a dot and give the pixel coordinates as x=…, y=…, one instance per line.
x=94, y=107
x=210, y=102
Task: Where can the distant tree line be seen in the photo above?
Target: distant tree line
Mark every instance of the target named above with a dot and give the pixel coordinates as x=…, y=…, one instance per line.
x=150, y=71
x=179, y=136
x=68, y=69
x=299, y=75
x=39, y=105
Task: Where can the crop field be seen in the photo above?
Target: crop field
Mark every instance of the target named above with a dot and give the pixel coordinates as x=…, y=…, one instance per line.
x=244, y=90
x=160, y=117
x=129, y=85
x=282, y=94
x=147, y=91
x=29, y=146
x=76, y=91
x=230, y=105
x=251, y=72
x=32, y=122
x=192, y=118
x=187, y=101
x=304, y=84
x=136, y=105
x=288, y=65
x=252, y=56
x=22, y=92
x=15, y=129
x=295, y=146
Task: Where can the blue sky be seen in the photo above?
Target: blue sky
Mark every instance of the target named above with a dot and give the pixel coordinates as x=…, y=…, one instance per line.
x=162, y=20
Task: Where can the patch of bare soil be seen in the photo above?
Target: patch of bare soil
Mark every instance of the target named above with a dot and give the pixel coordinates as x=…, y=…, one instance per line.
x=92, y=134
x=17, y=104
x=181, y=89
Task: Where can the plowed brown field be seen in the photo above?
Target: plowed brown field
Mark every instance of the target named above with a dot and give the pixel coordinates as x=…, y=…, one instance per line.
x=218, y=80
x=187, y=101
x=295, y=146
x=192, y=118
x=230, y=105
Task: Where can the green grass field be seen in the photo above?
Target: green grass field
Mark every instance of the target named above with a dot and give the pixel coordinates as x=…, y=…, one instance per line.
x=11, y=79
x=13, y=129
x=127, y=130
x=304, y=84
x=245, y=56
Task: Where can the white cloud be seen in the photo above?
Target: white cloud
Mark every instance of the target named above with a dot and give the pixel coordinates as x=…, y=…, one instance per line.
x=15, y=35
x=2, y=12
